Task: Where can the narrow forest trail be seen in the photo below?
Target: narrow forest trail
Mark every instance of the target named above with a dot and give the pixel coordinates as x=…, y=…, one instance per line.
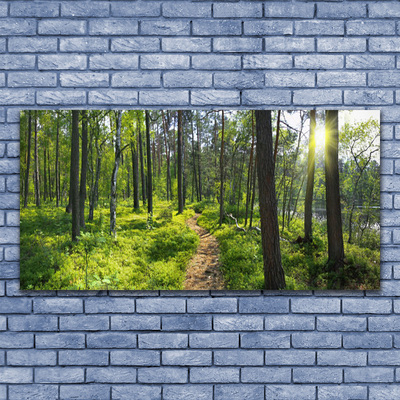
x=203, y=271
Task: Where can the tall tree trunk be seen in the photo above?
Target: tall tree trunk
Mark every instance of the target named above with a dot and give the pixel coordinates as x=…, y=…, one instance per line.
x=310, y=180
x=45, y=194
x=240, y=186
x=135, y=173
x=274, y=276
x=167, y=152
x=114, y=175
x=194, y=160
x=149, y=175
x=58, y=184
x=74, y=178
x=141, y=163
x=37, y=180
x=49, y=176
x=180, y=188
x=253, y=195
x=250, y=171
x=221, y=170
x=199, y=154
x=95, y=189
x=333, y=210
x=28, y=159
x=84, y=163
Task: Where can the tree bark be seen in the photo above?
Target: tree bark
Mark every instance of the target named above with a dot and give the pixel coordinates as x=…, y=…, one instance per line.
x=180, y=187
x=84, y=163
x=135, y=173
x=273, y=272
x=250, y=170
x=74, y=178
x=141, y=163
x=28, y=159
x=149, y=174
x=45, y=193
x=310, y=180
x=58, y=185
x=221, y=170
x=333, y=210
x=167, y=152
x=253, y=195
x=199, y=154
x=37, y=181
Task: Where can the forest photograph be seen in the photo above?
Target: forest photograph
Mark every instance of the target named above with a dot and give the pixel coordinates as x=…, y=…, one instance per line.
x=199, y=200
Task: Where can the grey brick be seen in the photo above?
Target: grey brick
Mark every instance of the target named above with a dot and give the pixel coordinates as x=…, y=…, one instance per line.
x=262, y=96
x=17, y=61
x=179, y=392
x=135, y=44
x=193, y=45
x=317, y=375
x=135, y=357
x=242, y=392
x=367, y=306
x=341, y=323
x=342, y=358
x=37, y=392
x=241, y=323
x=18, y=306
x=212, y=305
x=137, y=9
x=187, y=79
x=3, y=9
x=85, y=9
x=3, y=327
x=214, y=375
x=113, y=26
x=163, y=340
x=87, y=45
x=32, y=45
x=315, y=306
x=346, y=392
x=32, y=79
x=289, y=392
x=267, y=61
x=346, y=10
x=98, y=392
x=163, y=375
x=61, y=27
x=268, y=27
x=320, y=340
x=386, y=323
x=65, y=97
x=83, y=357
x=288, y=10
x=110, y=96
x=266, y=375
x=31, y=357
x=19, y=26
x=135, y=322
x=62, y=61
x=384, y=78
x=186, y=357
x=36, y=9
x=101, y=306
x=152, y=98
x=164, y=61
x=365, y=28
x=370, y=61
x=387, y=44
x=215, y=62
x=238, y=357
x=368, y=374
x=165, y=27
x=237, y=45
x=341, y=45
x=187, y=323
x=384, y=357
x=59, y=375
x=8, y=166
x=16, y=340
x=289, y=79
x=319, y=61
x=111, y=375
x=16, y=375
x=181, y=9
x=83, y=79
x=263, y=305
x=367, y=341
x=136, y=392
x=214, y=340
x=222, y=97
x=32, y=323
x=13, y=186
x=265, y=340
x=342, y=78
x=289, y=323
x=113, y=61
x=249, y=10
x=9, y=236
x=318, y=27
x=312, y=97
x=84, y=322
x=384, y=10
x=290, y=357
x=2, y=80
x=111, y=340
x=217, y=27
x=368, y=97
x=9, y=132
x=12, y=152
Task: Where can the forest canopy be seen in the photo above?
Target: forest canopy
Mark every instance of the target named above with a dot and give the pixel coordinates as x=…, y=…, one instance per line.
x=236, y=200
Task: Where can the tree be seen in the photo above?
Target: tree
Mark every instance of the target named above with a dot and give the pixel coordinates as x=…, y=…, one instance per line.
x=58, y=193
x=84, y=163
x=37, y=181
x=28, y=159
x=149, y=174
x=221, y=170
x=310, y=180
x=135, y=173
x=250, y=169
x=333, y=210
x=180, y=187
x=141, y=160
x=274, y=277
x=74, y=175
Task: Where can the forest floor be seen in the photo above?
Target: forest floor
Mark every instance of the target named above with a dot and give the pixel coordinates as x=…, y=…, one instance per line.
x=203, y=272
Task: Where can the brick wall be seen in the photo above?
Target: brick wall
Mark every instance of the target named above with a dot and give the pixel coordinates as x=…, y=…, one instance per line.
x=199, y=345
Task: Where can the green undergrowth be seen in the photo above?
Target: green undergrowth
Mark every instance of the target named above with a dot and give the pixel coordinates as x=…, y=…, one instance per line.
x=148, y=252
x=305, y=264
